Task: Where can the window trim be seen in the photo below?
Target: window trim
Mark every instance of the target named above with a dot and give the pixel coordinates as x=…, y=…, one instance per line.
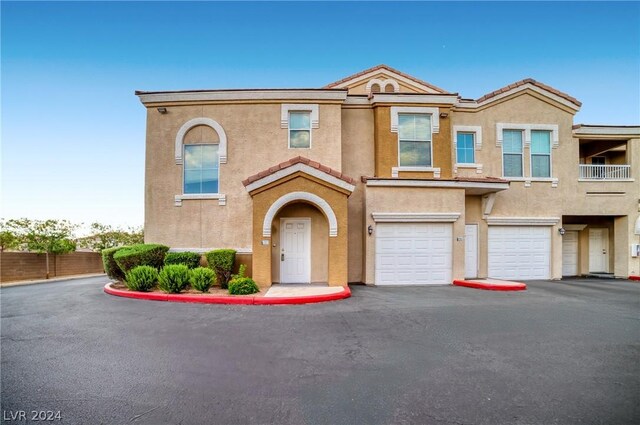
x=289, y=129
x=300, y=107
x=477, y=131
x=428, y=167
x=221, y=197
x=521, y=155
x=531, y=154
x=473, y=149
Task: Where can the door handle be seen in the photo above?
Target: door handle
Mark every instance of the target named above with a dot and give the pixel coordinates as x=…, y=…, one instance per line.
x=604, y=251
x=282, y=257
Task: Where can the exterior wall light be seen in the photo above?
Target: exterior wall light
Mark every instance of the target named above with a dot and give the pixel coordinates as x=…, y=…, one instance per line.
x=370, y=230
x=561, y=231
x=162, y=110
x=444, y=114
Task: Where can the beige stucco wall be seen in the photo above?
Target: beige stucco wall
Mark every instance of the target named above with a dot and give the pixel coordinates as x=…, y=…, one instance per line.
x=408, y=199
x=357, y=161
x=319, y=240
x=255, y=142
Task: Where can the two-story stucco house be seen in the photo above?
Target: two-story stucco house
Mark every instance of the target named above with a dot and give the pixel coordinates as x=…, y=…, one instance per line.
x=386, y=179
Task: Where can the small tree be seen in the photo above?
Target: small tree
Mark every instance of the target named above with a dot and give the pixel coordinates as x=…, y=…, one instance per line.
x=8, y=238
x=45, y=236
x=104, y=236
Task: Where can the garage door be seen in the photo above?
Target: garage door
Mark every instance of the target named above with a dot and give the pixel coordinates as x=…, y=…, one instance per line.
x=519, y=252
x=413, y=253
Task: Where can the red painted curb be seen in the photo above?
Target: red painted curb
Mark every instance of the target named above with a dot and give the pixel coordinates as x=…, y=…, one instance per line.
x=634, y=277
x=238, y=299
x=490, y=286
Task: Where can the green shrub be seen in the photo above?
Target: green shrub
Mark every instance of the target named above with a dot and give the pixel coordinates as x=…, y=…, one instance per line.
x=173, y=278
x=202, y=278
x=141, y=278
x=140, y=255
x=111, y=268
x=189, y=259
x=241, y=271
x=221, y=261
x=243, y=286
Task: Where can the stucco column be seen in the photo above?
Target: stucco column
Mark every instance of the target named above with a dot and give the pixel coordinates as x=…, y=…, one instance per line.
x=556, y=252
x=622, y=262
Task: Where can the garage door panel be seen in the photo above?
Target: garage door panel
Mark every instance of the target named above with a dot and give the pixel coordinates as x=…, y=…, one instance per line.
x=519, y=252
x=413, y=253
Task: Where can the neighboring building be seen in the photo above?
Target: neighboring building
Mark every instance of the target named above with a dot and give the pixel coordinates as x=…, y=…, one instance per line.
x=385, y=179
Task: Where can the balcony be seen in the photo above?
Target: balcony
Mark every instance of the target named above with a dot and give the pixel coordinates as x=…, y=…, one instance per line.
x=604, y=172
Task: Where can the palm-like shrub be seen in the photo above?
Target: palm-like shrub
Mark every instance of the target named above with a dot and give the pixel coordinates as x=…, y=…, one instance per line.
x=173, y=278
x=241, y=285
x=202, y=278
x=141, y=278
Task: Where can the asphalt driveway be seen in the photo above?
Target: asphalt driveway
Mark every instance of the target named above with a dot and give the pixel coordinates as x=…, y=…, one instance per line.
x=558, y=353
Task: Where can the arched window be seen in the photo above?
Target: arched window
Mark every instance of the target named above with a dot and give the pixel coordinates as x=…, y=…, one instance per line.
x=375, y=88
x=389, y=88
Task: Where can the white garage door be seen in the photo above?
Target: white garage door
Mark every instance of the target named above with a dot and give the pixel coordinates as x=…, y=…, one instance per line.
x=413, y=253
x=519, y=252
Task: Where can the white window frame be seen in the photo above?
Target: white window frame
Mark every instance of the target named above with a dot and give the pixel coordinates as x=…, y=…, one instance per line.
x=477, y=145
x=289, y=129
x=417, y=167
x=222, y=199
x=531, y=154
x=511, y=153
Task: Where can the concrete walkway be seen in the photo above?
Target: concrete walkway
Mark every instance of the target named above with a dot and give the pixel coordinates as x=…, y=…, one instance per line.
x=51, y=280
x=280, y=291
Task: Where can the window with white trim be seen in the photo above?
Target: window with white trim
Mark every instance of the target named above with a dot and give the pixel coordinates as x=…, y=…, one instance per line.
x=414, y=140
x=540, y=153
x=299, y=129
x=512, y=153
x=201, y=169
x=465, y=147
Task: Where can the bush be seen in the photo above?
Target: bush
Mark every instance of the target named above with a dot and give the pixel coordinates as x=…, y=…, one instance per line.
x=189, y=259
x=111, y=268
x=221, y=262
x=141, y=278
x=243, y=286
x=173, y=278
x=202, y=278
x=140, y=255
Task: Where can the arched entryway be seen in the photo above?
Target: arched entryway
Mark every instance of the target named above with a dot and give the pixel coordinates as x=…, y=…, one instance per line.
x=309, y=205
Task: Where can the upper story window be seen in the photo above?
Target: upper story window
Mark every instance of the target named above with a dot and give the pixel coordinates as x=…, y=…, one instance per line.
x=300, y=129
x=512, y=153
x=414, y=140
x=465, y=148
x=540, y=153
x=201, y=171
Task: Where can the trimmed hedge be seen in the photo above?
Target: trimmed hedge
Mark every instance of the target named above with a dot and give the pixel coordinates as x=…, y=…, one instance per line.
x=243, y=286
x=202, y=278
x=221, y=262
x=140, y=255
x=111, y=268
x=141, y=278
x=189, y=259
x=173, y=278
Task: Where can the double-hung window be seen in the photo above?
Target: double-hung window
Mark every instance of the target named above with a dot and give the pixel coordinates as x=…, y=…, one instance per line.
x=465, y=148
x=299, y=129
x=201, y=168
x=512, y=153
x=540, y=153
x=414, y=139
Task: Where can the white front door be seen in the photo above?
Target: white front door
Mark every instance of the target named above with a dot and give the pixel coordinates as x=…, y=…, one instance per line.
x=471, y=250
x=570, y=253
x=295, y=250
x=413, y=253
x=598, y=250
x=519, y=252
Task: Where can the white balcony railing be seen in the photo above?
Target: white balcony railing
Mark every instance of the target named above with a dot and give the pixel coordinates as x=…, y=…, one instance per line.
x=605, y=172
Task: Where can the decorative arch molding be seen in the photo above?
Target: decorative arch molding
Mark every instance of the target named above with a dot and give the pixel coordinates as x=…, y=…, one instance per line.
x=222, y=148
x=383, y=84
x=300, y=196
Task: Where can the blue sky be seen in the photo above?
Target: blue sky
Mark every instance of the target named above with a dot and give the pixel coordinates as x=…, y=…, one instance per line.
x=73, y=132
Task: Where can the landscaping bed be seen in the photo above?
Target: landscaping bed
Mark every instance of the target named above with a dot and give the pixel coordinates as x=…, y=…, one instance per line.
x=215, y=291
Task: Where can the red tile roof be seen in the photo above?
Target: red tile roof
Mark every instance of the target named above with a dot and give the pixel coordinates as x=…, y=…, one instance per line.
x=533, y=82
x=293, y=161
x=387, y=68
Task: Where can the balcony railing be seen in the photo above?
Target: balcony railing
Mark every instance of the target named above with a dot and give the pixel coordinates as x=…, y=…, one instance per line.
x=605, y=172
